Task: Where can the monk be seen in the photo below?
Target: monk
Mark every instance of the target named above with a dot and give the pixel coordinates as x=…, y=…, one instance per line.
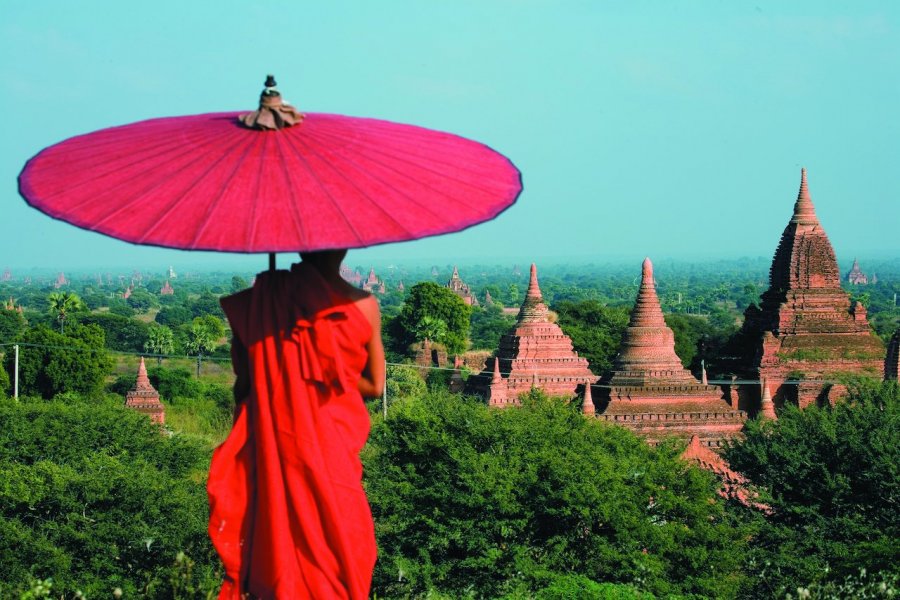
x=288, y=514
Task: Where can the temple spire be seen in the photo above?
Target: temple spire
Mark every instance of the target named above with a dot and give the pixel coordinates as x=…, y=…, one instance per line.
x=143, y=381
x=533, y=308
x=587, y=406
x=804, y=211
x=534, y=291
x=766, y=406
x=647, y=311
x=497, y=378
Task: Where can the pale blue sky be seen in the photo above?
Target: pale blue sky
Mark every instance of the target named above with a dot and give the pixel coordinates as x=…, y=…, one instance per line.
x=669, y=129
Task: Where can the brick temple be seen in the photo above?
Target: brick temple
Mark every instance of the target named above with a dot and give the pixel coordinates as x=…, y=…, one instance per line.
x=144, y=398
x=536, y=353
x=805, y=329
x=856, y=276
x=460, y=288
x=650, y=392
x=167, y=289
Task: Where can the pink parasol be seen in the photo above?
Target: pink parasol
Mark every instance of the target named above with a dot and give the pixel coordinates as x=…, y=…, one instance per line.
x=273, y=180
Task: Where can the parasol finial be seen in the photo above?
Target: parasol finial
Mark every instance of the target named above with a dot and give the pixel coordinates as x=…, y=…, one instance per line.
x=272, y=113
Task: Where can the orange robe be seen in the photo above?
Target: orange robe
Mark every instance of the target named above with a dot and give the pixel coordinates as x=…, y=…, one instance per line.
x=288, y=514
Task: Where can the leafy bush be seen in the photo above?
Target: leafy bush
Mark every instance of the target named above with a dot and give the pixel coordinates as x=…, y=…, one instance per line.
x=472, y=501
x=93, y=496
x=51, y=363
x=832, y=475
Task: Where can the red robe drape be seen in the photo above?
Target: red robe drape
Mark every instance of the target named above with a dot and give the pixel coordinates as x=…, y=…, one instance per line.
x=288, y=514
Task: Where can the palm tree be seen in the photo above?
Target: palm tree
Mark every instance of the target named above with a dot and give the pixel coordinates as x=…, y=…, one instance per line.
x=62, y=304
x=160, y=340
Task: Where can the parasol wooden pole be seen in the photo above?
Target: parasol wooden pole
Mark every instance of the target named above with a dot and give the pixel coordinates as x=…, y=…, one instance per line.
x=271, y=261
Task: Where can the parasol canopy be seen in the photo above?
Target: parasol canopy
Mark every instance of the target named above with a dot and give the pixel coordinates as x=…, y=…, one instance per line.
x=271, y=181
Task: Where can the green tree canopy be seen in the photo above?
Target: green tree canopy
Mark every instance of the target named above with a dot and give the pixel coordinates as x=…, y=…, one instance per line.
x=203, y=336
x=11, y=324
x=160, y=340
x=488, y=325
x=96, y=499
x=62, y=305
x=122, y=334
x=141, y=300
x=472, y=501
x=833, y=480
x=51, y=363
x=238, y=283
x=435, y=302
x=596, y=330
x=173, y=316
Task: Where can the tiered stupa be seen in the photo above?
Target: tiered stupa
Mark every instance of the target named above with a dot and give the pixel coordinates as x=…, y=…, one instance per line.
x=856, y=276
x=167, y=289
x=144, y=398
x=60, y=281
x=536, y=353
x=7, y=275
x=805, y=328
x=460, y=288
x=892, y=362
x=650, y=392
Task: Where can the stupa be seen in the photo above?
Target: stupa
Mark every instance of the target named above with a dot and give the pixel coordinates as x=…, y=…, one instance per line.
x=535, y=353
x=650, y=392
x=892, y=362
x=7, y=275
x=60, y=281
x=460, y=288
x=167, y=289
x=805, y=329
x=856, y=276
x=144, y=398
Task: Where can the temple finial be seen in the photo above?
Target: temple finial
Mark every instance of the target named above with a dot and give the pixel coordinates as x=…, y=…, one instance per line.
x=497, y=377
x=587, y=406
x=534, y=290
x=804, y=211
x=766, y=406
x=647, y=269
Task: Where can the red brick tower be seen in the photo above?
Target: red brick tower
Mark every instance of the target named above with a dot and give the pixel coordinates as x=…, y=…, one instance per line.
x=650, y=392
x=144, y=398
x=536, y=352
x=805, y=327
x=167, y=289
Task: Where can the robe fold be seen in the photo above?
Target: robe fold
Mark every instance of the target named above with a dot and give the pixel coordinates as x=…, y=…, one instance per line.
x=288, y=514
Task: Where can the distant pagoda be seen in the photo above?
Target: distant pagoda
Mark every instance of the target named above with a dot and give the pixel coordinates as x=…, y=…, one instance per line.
x=650, y=392
x=7, y=275
x=372, y=284
x=805, y=329
x=460, y=288
x=144, y=398
x=856, y=276
x=167, y=289
x=536, y=353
